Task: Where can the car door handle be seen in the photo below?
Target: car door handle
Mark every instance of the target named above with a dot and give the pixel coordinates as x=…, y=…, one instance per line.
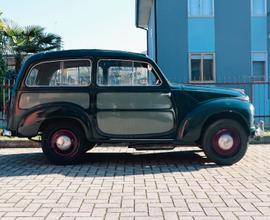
x=167, y=94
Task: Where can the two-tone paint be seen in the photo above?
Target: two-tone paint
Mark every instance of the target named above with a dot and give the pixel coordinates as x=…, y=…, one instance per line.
x=173, y=114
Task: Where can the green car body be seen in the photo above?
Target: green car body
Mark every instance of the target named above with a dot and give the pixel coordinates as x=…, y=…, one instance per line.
x=151, y=112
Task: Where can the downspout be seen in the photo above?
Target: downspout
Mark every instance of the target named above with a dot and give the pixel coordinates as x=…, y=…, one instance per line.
x=137, y=12
x=147, y=41
x=156, y=44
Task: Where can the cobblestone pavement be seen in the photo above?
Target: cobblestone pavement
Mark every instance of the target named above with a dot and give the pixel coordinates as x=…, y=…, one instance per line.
x=120, y=183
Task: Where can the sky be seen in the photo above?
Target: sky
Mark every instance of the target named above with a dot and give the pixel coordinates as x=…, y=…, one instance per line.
x=87, y=24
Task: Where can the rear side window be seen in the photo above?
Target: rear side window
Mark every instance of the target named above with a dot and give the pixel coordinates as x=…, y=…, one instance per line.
x=126, y=73
x=60, y=73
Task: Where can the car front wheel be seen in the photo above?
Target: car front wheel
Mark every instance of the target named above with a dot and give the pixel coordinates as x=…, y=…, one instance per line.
x=63, y=144
x=225, y=142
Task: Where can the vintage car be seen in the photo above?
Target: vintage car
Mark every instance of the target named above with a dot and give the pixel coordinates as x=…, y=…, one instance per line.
x=77, y=99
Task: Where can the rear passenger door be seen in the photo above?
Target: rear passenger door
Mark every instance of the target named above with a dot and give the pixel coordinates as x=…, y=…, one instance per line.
x=58, y=81
x=132, y=101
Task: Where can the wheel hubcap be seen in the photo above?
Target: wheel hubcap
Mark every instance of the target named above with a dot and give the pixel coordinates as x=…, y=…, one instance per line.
x=225, y=142
x=63, y=142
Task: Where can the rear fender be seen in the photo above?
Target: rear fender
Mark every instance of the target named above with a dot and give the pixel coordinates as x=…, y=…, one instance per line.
x=31, y=123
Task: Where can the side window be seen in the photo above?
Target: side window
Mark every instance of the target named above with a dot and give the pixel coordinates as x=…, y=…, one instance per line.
x=202, y=68
x=126, y=73
x=60, y=73
x=258, y=7
x=259, y=66
x=201, y=8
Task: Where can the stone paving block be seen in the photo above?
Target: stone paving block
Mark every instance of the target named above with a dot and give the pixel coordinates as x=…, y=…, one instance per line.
x=20, y=214
x=54, y=216
x=149, y=218
x=112, y=216
x=134, y=185
x=170, y=215
x=99, y=212
x=8, y=218
x=267, y=217
x=29, y=218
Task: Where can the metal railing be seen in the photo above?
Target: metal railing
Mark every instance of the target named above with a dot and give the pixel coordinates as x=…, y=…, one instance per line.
x=258, y=91
x=5, y=94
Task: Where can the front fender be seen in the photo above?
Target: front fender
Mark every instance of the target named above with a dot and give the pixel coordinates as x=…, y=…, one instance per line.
x=192, y=126
x=31, y=122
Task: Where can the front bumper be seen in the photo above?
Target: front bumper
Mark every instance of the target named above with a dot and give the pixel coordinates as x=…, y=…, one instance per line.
x=258, y=131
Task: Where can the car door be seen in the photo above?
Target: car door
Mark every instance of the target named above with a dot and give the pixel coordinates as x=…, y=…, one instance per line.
x=132, y=100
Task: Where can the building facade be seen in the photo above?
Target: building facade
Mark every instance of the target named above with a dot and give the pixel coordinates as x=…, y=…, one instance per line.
x=207, y=41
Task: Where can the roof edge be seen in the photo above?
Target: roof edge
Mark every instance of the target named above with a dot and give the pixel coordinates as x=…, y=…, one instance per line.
x=143, y=12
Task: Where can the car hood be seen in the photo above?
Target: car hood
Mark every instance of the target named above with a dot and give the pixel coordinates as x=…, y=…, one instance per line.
x=202, y=93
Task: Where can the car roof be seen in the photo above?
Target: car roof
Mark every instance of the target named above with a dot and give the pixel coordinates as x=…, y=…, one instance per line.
x=80, y=54
x=85, y=53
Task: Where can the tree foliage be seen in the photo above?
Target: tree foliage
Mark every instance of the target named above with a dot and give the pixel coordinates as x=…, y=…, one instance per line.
x=3, y=66
x=31, y=39
x=21, y=41
x=2, y=63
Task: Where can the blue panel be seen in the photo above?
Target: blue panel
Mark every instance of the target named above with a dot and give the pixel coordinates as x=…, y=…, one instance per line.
x=260, y=99
x=233, y=39
x=259, y=33
x=172, y=39
x=268, y=31
x=201, y=32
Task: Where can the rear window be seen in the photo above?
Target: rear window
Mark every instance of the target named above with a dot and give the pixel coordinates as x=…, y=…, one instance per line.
x=60, y=73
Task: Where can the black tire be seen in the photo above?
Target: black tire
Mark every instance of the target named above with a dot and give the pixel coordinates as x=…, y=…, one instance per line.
x=225, y=142
x=54, y=133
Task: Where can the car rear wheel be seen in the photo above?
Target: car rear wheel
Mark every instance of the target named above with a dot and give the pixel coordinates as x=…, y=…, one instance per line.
x=63, y=144
x=225, y=142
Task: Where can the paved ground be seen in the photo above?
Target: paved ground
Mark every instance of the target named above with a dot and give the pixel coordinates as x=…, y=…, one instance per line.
x=119, y=183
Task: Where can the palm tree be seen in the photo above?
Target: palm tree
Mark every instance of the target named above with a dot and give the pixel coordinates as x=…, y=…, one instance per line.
x=2, y=28
x=30, y=39
x=2, y=44
x=2, y=25
x=3, y=66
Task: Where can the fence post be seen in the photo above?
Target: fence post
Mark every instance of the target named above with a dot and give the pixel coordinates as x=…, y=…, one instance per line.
x=251, y=91
x=4, y=99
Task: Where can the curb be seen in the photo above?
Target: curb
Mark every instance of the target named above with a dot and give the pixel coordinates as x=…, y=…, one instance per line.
x=19, y=144
x=264, y=140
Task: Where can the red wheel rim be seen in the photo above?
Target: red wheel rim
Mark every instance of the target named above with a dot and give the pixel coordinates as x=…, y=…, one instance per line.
x=233, y=142
x=72, y=149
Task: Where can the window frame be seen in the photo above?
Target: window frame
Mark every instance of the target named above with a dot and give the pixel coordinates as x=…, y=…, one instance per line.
x=202, y=69
x=259, y=15
x=254, y=79
x=262, y=58
x=201, y=10
x=61, y=67
x=155, y=72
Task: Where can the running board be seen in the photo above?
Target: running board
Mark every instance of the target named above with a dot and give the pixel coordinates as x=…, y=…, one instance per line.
x=152, y=147
x=142, y=140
